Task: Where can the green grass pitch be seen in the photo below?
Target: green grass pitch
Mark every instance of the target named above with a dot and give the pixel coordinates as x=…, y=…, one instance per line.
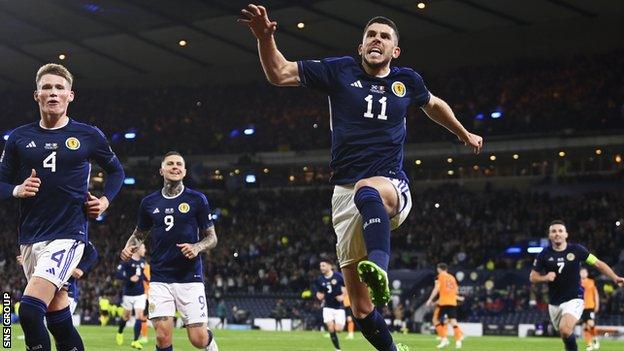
x=103, y=339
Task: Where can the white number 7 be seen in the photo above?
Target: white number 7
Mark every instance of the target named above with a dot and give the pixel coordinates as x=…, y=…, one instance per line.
x=560, y=264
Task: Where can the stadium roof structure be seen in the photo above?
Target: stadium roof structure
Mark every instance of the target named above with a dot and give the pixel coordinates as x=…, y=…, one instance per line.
x=136, y=42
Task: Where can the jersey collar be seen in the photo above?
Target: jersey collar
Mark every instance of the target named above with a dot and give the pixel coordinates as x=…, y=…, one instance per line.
x=172, y=197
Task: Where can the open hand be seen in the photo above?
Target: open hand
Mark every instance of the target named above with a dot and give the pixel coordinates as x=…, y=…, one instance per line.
x=257, y=19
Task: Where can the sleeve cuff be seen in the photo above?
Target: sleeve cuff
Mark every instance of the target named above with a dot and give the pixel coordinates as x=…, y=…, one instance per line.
x=15, y=191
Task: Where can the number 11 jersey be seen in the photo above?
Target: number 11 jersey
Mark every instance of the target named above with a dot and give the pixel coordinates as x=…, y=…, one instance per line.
x=367, y=115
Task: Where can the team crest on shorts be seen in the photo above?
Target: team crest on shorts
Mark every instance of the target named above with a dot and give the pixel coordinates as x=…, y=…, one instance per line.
x=72, y=143
x=398, y=89
x=152, y=307
x=570, y=257
x=184, y=207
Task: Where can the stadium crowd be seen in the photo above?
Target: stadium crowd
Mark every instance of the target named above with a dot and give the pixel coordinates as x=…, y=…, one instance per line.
x=572, y=95
x=271, y=240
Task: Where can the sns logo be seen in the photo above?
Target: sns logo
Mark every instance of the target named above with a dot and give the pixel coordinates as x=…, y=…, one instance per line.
x=398, y=89
x=372, y=221
x=184, y=207
x=72, y=143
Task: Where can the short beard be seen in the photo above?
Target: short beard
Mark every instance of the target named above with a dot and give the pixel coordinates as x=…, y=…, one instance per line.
x=374, y=65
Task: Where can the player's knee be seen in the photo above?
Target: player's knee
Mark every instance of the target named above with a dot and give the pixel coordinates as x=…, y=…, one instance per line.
x=163, y=339
x=200, y=341
x=362, y=308
x=565, y=332
x=362, y=183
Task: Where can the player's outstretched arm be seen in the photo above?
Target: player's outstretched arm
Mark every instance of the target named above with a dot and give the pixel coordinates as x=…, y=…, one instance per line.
x=434, y=293
x=440, y=112
x=277, y=69
x=133, y=243
x=536, y=277
x=209, y=241
x=608, y=271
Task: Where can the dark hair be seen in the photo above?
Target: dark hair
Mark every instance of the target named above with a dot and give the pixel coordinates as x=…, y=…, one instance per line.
x=170, y=153
x=386, y=21
x=442, y=266
x=326, y=260
x=557, y=221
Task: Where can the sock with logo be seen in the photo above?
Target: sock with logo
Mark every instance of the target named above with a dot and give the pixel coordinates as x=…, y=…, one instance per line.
x=31, y=313
x=376, y=331
x=376, y=225
x=61, y=326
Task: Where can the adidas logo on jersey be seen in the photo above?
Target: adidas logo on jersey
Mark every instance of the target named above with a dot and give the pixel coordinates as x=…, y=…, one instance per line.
x=357, y=84
x=50, y=270
x=156, y=211
x=31, y=145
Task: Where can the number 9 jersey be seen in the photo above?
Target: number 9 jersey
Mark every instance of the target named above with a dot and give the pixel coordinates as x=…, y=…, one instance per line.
x=174, y=220
x=367, y=115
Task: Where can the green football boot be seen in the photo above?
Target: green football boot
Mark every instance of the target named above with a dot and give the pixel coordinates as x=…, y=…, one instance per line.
x=377, y=281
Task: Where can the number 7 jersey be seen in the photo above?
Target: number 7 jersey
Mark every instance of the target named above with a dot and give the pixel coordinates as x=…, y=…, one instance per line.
x=367, y=115
x=174, y=220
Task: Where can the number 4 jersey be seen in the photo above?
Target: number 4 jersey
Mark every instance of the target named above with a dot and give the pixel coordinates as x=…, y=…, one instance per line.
x=174, y=220
x=567, y=265
x=367, y=115
x=62, y=159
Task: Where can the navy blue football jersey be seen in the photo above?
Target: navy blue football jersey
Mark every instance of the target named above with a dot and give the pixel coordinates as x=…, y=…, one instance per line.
x=127, y=270
x=367, y=115
x=567, y=265
x=62, y=159
x=88, y=259
x=173, y=221
x=331, y=287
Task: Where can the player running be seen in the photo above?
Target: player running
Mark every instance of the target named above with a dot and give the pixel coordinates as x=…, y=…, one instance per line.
x=330, y=289
x=559, y=265
x=446, y=311
x=368, y=108
x=181, y=228
x=46, y=164
x=592, y=306
x=133, y=296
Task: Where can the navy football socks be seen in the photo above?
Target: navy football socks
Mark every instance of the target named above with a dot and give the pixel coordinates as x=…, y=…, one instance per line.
x=570, y=343
x=61, y=326
x=376, y=331
x=31, y=313
x=122, y=325
x=334, y=339
x=168, y=348
x=376, y=225
x=137, y=329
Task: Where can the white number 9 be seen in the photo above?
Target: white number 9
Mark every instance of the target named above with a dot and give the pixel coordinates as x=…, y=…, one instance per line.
x=168, y=222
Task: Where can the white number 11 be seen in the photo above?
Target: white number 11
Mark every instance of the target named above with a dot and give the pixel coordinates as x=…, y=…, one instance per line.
x=369, y=108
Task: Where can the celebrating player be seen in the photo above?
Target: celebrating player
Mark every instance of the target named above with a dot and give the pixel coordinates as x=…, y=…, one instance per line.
x=176, y=216
x=592, y=306
x=446, y=311
x=330, y=289
x=559, y=265
x=369, y=103
x=46, y=164
x=133, y=297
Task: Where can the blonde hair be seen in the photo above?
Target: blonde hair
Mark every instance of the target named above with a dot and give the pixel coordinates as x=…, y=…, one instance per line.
x=55, y=69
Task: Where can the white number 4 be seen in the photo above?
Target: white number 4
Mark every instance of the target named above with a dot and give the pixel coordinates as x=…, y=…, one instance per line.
x=561, y=265
x=50, y=162
x=168, y=222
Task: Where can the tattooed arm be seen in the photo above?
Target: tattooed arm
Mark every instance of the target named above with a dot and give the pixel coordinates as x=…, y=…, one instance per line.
x=208, y=242
x=136, y=239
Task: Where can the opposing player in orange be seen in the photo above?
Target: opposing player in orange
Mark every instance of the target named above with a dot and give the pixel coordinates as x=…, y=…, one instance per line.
x=446, y=287
x=592, y=305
